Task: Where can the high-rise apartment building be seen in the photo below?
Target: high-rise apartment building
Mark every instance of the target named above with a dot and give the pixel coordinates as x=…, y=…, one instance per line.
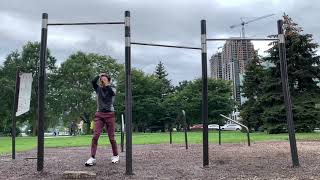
x=216, y=66
x=231, y=63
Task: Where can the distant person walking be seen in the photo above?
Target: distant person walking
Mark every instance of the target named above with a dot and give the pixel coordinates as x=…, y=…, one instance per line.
x=73, y=128
x=105, y=116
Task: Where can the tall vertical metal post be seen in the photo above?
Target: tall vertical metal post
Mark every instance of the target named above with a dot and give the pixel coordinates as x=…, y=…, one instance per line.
x=286, y=93
x=14, y=110
x=185, y=128
x=204, y=93
x=248, y=137
x=41, y=91
x=170, y=134
x=122, y=132
x=219, y=134
x=128, y=97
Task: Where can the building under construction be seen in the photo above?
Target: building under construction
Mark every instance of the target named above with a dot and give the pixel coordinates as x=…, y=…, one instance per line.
x=230, y=64
x=216, y=66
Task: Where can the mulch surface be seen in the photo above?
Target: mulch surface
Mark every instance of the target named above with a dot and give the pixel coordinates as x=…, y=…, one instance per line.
x=263, y=160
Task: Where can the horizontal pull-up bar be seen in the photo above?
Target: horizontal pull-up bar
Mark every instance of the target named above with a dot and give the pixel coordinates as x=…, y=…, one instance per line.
x=75, y=24
x=162, y=45
x=248, y=39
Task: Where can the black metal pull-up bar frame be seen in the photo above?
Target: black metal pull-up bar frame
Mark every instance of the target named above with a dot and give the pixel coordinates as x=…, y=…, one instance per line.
x=285, y=89
x=168, y=46
x=41, y=85
x=244, y=39
x=128, y=89
x=128, y=92
x=83, y=23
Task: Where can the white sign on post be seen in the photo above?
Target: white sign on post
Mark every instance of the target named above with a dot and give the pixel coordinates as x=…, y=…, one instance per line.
x=24, y=93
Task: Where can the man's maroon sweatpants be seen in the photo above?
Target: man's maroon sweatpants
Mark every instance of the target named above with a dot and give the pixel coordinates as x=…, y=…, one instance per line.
x=106, y=119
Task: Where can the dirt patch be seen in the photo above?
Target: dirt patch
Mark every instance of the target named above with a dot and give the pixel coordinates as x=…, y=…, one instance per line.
x=267, y=160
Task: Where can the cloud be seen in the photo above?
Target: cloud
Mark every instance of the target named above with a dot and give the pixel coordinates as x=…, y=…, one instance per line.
x=166, y=21
x=15, y=27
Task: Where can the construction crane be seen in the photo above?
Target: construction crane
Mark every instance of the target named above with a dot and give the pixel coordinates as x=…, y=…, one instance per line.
x=243, y=23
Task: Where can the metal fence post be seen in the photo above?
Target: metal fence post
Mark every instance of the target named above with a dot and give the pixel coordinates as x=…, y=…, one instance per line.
x=122, y=133
x=185, y=128
x=286, y=93
x=41, y=91
x=128, y=97
x=204, y=93
x=14, y=110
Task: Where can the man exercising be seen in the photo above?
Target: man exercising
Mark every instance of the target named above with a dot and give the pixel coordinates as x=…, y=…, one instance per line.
x=105, y=116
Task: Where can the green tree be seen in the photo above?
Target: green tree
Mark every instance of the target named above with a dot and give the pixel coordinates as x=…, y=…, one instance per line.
x=219, y=100
x=71, y=90
x=27, y=60
x=164, y=90
x=160, y=71
x=303, y=74
x=145, y=98
x=251, y=110
x=162, y=75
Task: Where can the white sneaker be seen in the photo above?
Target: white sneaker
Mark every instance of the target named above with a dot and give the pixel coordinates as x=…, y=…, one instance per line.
x=115, y=159
x=91, y=161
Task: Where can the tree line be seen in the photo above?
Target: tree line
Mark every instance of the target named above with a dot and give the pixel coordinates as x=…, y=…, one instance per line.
x=157, y=103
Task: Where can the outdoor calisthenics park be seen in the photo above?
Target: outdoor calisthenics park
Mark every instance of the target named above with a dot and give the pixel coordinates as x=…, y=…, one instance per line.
x=131, y=162
x=128, y=97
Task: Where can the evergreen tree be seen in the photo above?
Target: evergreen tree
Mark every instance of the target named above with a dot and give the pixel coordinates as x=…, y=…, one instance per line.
x=252, y=109
x=164, y=90
x=303, y=74
x=162, y=75
x=303, y=62
x=161, y=72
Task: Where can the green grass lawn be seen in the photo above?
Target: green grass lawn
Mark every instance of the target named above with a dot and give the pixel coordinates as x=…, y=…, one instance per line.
x=29, y=143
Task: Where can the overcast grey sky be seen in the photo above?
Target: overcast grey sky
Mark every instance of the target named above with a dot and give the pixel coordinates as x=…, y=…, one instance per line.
x=175, y=22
